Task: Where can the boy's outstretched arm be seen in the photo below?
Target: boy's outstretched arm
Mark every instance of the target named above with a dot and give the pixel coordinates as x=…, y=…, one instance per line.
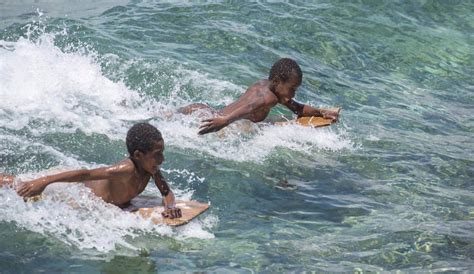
x=218, y=123
x=171, y=211
x=35, y=187
x=303, y=110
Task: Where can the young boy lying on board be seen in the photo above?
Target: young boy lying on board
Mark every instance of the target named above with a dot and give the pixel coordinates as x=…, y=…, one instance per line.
x=255, y=104
x=117, y=184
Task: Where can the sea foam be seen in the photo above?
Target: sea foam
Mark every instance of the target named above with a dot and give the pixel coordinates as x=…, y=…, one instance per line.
x=45, y=89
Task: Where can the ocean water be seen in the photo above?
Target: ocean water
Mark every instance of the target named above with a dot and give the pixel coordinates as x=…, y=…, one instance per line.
x=390, y=187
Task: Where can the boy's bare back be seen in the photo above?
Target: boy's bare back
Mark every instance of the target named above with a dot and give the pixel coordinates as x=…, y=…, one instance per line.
x=255, y=104
x=258, y=97
x=120, y=189
x=117, y=184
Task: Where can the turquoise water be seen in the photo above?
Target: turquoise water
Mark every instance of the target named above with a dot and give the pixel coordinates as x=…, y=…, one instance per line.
x=390, y=187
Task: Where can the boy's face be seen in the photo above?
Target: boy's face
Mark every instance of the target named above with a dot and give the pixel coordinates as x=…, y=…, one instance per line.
x=151, y=160
x=286, y=90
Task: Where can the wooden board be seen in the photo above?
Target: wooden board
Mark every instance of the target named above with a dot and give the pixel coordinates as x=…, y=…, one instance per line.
x=151, y=208
x=308, y=122
x=312, y=121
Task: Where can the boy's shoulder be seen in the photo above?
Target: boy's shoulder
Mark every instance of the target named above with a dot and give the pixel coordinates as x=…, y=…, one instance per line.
x=126, y=166
x=260, y=86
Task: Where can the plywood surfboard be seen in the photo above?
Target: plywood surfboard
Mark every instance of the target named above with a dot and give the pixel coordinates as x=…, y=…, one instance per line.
x=312, y=121
x=151, y=208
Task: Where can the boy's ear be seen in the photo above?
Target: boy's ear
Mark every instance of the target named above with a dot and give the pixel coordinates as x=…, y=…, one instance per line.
x=137, y=154
x=275, y=83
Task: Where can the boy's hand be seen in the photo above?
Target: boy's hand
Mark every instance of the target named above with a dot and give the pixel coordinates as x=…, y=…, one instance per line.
x=213, y=125
x=32, y=188
x=172, y=213
x=330, y=114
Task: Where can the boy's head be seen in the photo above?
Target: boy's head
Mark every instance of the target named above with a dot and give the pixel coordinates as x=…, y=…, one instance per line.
x=145, y=146
x=285, y=76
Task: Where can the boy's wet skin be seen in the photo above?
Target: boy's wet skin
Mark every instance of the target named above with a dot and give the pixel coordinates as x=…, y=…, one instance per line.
x=255, y=104
x=121, y=190
x=117, y=184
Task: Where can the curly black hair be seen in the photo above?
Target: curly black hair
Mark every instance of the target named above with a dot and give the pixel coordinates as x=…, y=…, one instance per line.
x=141, y=137
x=283, y=69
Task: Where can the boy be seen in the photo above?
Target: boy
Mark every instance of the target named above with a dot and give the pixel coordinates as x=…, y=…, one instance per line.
x=255, y=104
x=121, y=182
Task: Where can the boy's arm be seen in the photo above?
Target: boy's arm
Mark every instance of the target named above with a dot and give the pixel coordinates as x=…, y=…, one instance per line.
x=303, y=110
x=35, y=187
x=217, y=123
x=169, y=202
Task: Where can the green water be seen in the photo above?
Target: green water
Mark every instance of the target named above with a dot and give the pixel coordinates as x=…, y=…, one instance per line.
x=390, y=187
